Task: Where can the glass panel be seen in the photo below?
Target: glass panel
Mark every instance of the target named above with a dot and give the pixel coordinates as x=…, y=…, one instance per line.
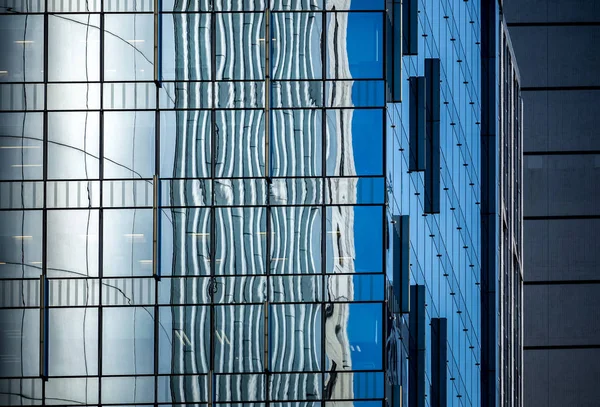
x=295, y=343
x=137, y=95
x=76, y=6
x=355, y=46
x=296, y=45
x=128, y=193
x=129, y=47
x=184, y=341
x=240, y=142
x=241, y=192
x=297, y=142
x=71, y=391
x=22, y=48
x=240, y=388
x=240, y=46
x=14, y=96
x=238, y=290
x=74, y=48
x=128, y=291
x=184, y=389
x=127, y=340
x=296, y=240
x=237, y=95
x=354, y=239
x=296, y=94
x=73, y=249
x=185, y=290
x=295, y=288
x=239, y=339
x=73, y=96
x=185, y=144
x=355, y=142
x=297, y=386
x=73, y=145
x=186, y=192
x=240, y=246
x=20, y=342
x=73, y=341
x=355, y=191
x=129, y=144
x=127, y=242
x=127, y=389
x=73, y=292
x=297, y=191
x=364, y=93
x=21, y=148
x=185, y=95
x=364, y=287
x=73, y=194
x=185, y=242
x=355, y=385
x=181, y=34
x=21, y=195
x=20, y=244
x=20, y=293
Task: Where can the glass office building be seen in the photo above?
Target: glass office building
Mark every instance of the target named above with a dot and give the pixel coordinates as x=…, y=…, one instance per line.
x=243, y=203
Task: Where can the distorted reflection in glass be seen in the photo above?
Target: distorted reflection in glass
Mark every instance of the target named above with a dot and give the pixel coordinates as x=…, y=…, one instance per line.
x=129, y=47
x=73, y=250
x=20, y=342
x=295, y=240
x=20, y=244
x=354, y=239
x=184, y=338
x=21, y=147
x=73, y=145
x=240, y=241
x=22, y=48
x=74, y=47
x=127, y=340
x=73, y=342
x=127, y=242
x=129, y=144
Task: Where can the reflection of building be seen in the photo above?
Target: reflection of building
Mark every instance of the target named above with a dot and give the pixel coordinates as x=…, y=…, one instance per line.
x=242, y=222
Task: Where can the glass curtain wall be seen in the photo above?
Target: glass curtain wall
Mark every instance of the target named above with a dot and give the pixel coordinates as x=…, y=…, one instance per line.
x=192, y=202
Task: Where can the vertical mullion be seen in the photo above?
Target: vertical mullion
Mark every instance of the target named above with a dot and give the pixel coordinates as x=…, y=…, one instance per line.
x=323, y=187
x=101, y=211
x=267, y=73
x=43, y=280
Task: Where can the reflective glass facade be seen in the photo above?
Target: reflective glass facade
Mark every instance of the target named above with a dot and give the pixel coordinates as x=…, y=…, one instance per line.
x=241, y=203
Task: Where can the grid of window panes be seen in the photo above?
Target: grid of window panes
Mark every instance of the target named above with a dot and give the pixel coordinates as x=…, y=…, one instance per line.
x=197, y=222
x=445, y=247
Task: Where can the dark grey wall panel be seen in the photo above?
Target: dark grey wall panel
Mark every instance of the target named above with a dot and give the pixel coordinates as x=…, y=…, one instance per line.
x=558, y=378
x=562, y=315
x=557, y=56
x=561, y=185
x=561, y=120
x=534, y=11
x=562, y=249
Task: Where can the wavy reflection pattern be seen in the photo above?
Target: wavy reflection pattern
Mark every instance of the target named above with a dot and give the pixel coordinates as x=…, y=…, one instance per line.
x=241, y=233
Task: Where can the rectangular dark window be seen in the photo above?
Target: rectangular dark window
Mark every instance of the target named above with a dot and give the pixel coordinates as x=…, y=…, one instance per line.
x=432, y=126
x=401, y=263
x=394, y=50
x=416, y=373
x=439, y=355
x=410, y=24
x=417, y=123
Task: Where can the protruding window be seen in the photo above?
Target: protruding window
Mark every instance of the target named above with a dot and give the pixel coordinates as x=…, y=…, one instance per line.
x=401, y=262
x=410, y=24
x=432, y=135
x=439, y=355
x=416, y=374
x=417, y=123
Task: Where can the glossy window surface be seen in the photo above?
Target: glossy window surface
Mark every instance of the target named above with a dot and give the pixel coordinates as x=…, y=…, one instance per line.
x=194, y=207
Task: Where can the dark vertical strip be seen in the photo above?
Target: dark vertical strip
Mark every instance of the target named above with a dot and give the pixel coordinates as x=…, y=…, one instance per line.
x=401, y=250
x=43, y=286
x=44, y=327
x=101, y=211
x=432, y=164
x=410, y=27
x=416, y=347
x=417, y=123
x=488, y=203
x=396, y=54
x=439, y=355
